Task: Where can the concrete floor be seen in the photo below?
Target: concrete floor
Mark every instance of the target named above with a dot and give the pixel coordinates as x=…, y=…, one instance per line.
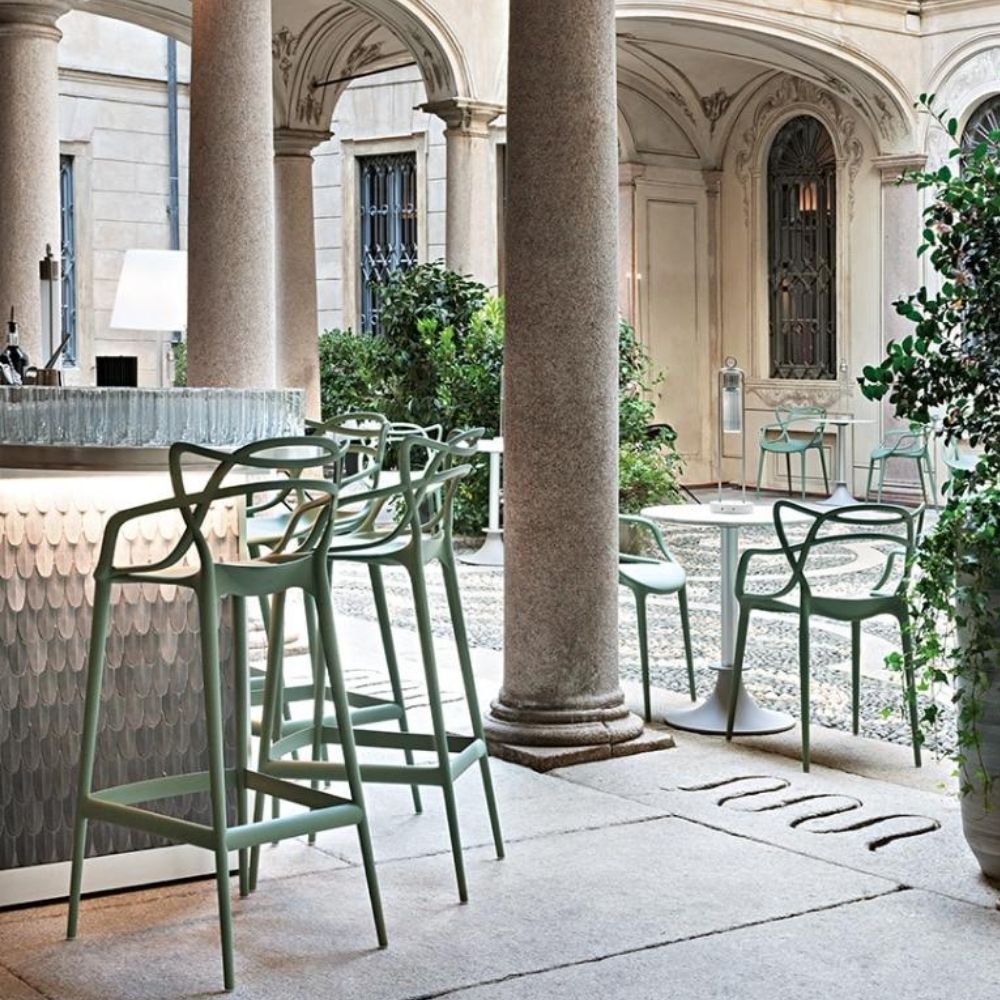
x=706, y=871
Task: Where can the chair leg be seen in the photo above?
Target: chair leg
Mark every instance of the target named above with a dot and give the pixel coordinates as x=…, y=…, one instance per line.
x=392, y=666
x=826, y=478
x=760, y=470
x=802, y=473
x=804, y=686
x=868, y=483
x=209, y=625
x=319, y=688
x=342, y=711
x=241, y=688
x=920, y=472
x=422, y=607
x=881, y=477
x=88, y=750
x=734, y=685
x=450, y=573
x=788, y=469
x=682, y=600
x=932, y=478
x=640, y=614
x=911, y=692
x=855, y=676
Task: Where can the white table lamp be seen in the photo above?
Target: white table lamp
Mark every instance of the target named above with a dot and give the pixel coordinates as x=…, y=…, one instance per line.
x=732, y=422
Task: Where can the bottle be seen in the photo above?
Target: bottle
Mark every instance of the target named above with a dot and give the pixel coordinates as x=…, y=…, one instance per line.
x=14, y=355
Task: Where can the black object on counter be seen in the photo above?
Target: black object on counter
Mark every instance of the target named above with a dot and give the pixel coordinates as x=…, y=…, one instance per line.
x=120, y=369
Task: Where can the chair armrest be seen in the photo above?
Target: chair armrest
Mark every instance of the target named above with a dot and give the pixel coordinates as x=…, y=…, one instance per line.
x=742, y=570
x=652, y=527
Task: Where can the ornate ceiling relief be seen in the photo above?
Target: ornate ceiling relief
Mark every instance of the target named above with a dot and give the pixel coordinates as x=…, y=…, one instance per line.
x=715, y=106
x=804, y=97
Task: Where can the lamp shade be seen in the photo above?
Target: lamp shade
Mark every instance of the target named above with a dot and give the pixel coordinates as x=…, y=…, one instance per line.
x=152, y=291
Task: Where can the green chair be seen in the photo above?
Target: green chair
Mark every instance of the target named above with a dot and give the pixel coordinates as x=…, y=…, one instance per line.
x=298, y=560
x=645, y=575
x=420, y=534
x=895, y=530
x=779, y=438
x=912, y=444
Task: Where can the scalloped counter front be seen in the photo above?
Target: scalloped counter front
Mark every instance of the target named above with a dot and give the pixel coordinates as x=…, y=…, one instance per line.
x=52, y=518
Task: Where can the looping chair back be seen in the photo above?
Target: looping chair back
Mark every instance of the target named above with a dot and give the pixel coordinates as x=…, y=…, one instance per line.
x=870, y=523
x=786, y=416
x=286, y=469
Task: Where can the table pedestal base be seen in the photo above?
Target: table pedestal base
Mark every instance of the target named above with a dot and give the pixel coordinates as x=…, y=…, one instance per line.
x=490, y=553
x=840, y=497
x=710, y=716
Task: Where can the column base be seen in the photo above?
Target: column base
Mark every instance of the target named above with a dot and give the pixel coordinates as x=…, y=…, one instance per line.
x=551, y=757
x=543, y=739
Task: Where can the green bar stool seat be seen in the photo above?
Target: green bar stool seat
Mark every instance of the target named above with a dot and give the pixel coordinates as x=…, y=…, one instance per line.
x=646, y=575
x=298, y=560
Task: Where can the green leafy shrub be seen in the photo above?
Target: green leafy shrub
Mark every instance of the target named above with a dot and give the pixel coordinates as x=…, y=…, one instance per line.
x=439, y=360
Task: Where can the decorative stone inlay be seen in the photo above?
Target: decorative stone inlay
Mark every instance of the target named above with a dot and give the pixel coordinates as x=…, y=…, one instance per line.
x=152, y=719
x=284, y=45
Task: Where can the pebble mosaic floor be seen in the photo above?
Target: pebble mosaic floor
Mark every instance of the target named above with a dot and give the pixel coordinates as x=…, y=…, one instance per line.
x=771, y=671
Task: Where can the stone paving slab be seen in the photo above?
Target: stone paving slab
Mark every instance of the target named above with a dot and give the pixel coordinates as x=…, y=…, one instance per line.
x=769, y=798
x=559, y=899
x=909, y=945
x=12, y=988
x=530, y=805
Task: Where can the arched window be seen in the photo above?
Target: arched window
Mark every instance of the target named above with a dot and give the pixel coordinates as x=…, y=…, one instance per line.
x=802, y=251
x=982, y=123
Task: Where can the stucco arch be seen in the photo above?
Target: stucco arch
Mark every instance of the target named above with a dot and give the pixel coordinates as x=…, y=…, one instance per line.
x=771, y=42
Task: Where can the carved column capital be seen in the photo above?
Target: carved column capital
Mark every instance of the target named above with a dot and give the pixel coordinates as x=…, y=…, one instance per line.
x=37, y=18
x=466, y=116
x=713, y=182
x=298, y=141
x=629, y=173
x=892, y=168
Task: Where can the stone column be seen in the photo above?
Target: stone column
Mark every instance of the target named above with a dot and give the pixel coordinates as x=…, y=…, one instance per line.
x=560, y=688
x=471, y=215
x=297, y=312
x=231, y=203
x=29, y=160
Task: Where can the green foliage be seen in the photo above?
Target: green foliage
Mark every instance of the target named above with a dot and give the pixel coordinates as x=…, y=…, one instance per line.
x=948, y=368
x=439, y=360
x=180, y=363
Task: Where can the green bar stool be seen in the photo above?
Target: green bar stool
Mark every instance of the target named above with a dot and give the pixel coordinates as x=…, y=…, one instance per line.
x=421, y=534
x=299, y=561
x=645, y=575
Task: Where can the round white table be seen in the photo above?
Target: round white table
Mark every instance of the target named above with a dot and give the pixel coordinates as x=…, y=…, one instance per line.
x=711, y=715
x=490, y=553
x=842, y=495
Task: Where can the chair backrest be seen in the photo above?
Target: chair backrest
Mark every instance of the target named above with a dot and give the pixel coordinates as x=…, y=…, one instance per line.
x=787, y=416
x=909, y=441
x=365, y=435
x=286, y=469
x=872, y=523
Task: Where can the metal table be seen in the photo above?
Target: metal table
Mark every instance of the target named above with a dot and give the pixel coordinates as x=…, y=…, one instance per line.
x=842, y=495
x=490, y=553
x=710, y=716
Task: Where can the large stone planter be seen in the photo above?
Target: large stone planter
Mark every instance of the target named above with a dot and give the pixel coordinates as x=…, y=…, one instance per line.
x=981, y=816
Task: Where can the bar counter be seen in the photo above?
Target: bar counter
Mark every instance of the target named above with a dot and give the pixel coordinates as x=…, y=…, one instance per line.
x=69, y=458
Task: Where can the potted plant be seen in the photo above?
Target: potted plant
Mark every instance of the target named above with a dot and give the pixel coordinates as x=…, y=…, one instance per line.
x=949, y=369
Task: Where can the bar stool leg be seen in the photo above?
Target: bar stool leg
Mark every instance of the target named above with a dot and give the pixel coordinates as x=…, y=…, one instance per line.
x=450, y=573
x=209, y=625
x=328, y=638
x=272, y=700
x=241, y=688
x=91, y=715
x=392, y=665
x=422, y=608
